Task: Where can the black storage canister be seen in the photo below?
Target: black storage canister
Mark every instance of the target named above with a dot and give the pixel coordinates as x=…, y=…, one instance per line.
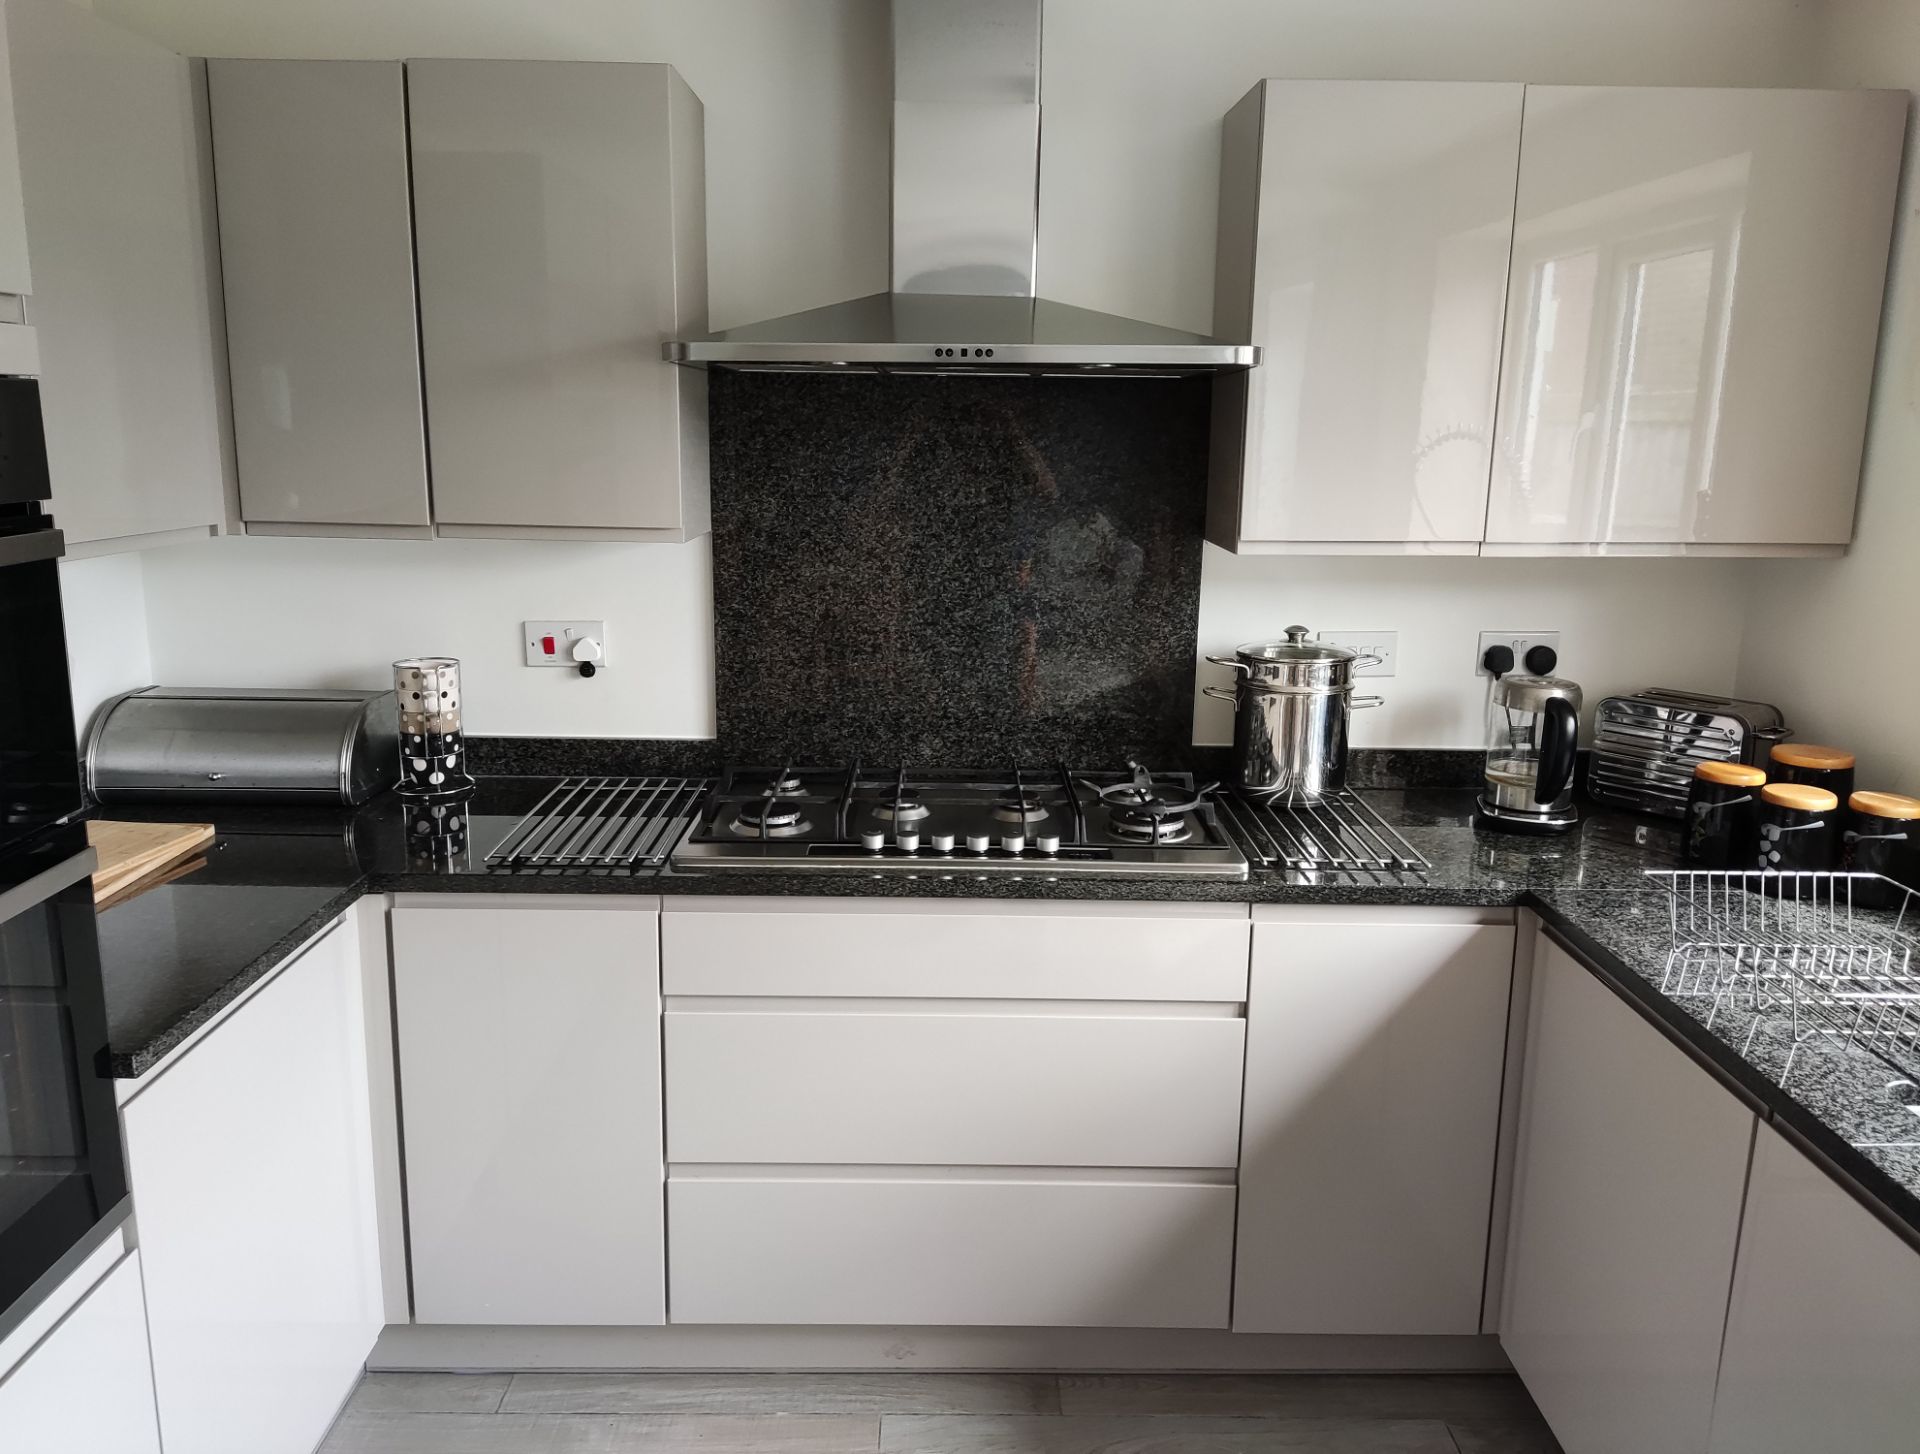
x=1883, y=837
x=1723, y=816
x=1818, y=767
x=1799, y=829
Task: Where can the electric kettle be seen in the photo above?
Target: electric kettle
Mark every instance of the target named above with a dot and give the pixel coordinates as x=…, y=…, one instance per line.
x=1533, y=730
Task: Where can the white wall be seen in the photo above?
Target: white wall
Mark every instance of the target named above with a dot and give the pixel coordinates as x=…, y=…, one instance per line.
x=1833, y=641
x=104, y=602
x=796, y=94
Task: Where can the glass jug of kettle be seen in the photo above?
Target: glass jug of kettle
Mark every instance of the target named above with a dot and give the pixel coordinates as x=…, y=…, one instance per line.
x=1533, y=731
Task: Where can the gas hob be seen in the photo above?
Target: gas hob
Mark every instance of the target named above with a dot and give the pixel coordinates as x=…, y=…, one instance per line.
x=1050, y=820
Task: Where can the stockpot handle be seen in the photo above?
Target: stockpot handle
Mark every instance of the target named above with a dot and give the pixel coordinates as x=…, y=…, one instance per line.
x=1231, y=661
x=1357, y=702
x=1220, y=694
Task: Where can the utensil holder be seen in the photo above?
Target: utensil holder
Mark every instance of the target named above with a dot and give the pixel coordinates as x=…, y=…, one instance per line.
x=433, y=749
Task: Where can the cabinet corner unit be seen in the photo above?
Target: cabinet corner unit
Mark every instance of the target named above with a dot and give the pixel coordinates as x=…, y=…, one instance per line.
x=473, y=263
x=1549, y=320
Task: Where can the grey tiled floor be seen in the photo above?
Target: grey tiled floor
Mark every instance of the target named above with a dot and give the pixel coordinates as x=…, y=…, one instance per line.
x=938, y=1413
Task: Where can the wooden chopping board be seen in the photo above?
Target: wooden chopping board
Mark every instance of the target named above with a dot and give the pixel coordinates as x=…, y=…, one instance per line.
x=130, y=853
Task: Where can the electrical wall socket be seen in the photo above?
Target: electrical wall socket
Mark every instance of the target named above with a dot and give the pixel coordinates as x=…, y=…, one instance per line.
x=1383, y=644
x=551, y=643
x=1521, y=641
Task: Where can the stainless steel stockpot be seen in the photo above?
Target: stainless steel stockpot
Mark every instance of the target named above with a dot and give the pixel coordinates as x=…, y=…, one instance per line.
x=1290, y=707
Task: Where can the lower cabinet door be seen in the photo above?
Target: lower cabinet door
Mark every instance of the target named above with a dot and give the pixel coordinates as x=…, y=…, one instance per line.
x=87, y=1387
x=252, y=1165
x=1629, y=1173
x=1372, y=1112
x=953, y=1249
x=529, y=1044
x=1823, y=1335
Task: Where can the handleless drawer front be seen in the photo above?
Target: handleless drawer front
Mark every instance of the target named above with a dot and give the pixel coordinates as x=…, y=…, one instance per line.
x=1144, y=1085
x=953, y=1249
x=972, y=950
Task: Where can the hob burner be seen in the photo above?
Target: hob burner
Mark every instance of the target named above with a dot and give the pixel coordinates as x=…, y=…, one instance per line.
x=905, y=810
x=1023, y=809
x=769, y=818
x=1153, y=824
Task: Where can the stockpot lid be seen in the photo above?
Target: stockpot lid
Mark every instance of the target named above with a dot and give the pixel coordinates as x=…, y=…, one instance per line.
x=1295, y=647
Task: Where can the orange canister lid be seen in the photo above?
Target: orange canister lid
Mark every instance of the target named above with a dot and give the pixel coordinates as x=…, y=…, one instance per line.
x=1809, y=754
x=1885, y=805
x=1730, y=774
x=1804, y=796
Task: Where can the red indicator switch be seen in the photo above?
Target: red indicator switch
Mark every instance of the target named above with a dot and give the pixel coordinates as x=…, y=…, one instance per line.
x=546, y=645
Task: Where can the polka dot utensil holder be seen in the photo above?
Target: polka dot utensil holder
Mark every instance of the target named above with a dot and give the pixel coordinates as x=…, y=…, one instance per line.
x=433, y=750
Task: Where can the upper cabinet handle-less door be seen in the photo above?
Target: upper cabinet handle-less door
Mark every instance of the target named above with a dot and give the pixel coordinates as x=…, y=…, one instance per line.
x=1692, y=318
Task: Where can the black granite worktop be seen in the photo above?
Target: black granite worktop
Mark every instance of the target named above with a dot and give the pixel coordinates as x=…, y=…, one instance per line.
x=174, y=956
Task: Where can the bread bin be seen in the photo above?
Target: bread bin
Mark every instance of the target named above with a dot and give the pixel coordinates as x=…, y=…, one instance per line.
x=185, y=744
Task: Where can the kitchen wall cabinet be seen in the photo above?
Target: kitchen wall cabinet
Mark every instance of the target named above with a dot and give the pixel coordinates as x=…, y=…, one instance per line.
x=1364, y=231
x=1030, y=1117
x=1683, y=340
x=1374, y=1062
x=1692, y=318
x=1823, y=1334
x=87, y=1387
x=560, y=219
x=112, y=174
x=529, y=1047
x=251, y=1158
x=316, y=251
x=1630, y=1167
x=15, y=276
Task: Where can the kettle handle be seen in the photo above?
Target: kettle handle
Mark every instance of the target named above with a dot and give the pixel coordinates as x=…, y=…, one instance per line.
x=1559, y=738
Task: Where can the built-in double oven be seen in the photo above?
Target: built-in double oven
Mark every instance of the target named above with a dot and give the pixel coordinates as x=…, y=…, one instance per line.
x=63, y=1183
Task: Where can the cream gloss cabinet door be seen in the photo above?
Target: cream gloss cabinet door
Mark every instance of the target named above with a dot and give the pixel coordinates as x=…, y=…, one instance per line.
x=1692, y=317
x=560, y=218
x=122, y=303
x=529, y=1046
x=1374, y=1058
x=14, y=275
x=87, y=1387
x=1630, y=1167
x=251, y=1160
x=1823, y=1334
x=1364, y=231
x=316, y=253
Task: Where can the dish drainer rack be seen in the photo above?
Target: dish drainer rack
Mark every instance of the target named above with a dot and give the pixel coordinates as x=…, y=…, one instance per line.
x=1338, y=831
x=1795, y=947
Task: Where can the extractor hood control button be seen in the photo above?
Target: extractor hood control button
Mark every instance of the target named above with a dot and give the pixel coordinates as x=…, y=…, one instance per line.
x=1013, y=842
x=907, y=842
x=1047, y=843
x=941, y=842
x=978, y=843
x=873, y=840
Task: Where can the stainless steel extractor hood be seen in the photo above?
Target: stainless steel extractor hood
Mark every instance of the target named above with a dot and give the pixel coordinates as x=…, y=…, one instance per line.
x=966, y=180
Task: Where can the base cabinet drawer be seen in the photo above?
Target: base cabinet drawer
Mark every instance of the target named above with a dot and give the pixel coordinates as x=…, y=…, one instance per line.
x=1007, y=1253
x=948, y=1087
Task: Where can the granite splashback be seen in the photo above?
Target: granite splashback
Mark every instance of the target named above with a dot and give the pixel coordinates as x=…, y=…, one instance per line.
x=958, y=570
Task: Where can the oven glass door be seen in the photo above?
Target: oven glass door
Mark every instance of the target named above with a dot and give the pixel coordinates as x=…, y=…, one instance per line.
x=61, y=1169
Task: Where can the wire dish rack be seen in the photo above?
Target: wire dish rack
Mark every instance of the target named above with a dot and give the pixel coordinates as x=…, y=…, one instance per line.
x=602, y=825
x=1795, y=947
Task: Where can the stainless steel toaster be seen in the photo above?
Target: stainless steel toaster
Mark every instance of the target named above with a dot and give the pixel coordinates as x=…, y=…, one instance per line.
x=1646, y=746
x=260, y=745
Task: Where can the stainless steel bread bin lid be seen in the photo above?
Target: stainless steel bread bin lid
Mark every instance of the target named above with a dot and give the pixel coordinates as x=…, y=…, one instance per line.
x=246, y=744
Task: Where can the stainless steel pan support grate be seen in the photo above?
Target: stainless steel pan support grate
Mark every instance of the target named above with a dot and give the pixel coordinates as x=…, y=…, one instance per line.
x=1334, y=831
x=606, y=823
x=1801, y=953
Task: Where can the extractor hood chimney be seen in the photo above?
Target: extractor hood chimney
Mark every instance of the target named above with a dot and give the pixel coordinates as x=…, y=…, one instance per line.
x=966, y=184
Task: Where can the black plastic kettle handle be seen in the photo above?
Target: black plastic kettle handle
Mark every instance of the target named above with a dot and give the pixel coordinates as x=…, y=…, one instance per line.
x=1559, y=738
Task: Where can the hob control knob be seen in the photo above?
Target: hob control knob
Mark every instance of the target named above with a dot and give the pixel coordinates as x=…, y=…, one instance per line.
x=873, y=840
x=1013, y=842
x=941, y=842
x=1047, y=843
x=907, y=841
x=978, y=843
